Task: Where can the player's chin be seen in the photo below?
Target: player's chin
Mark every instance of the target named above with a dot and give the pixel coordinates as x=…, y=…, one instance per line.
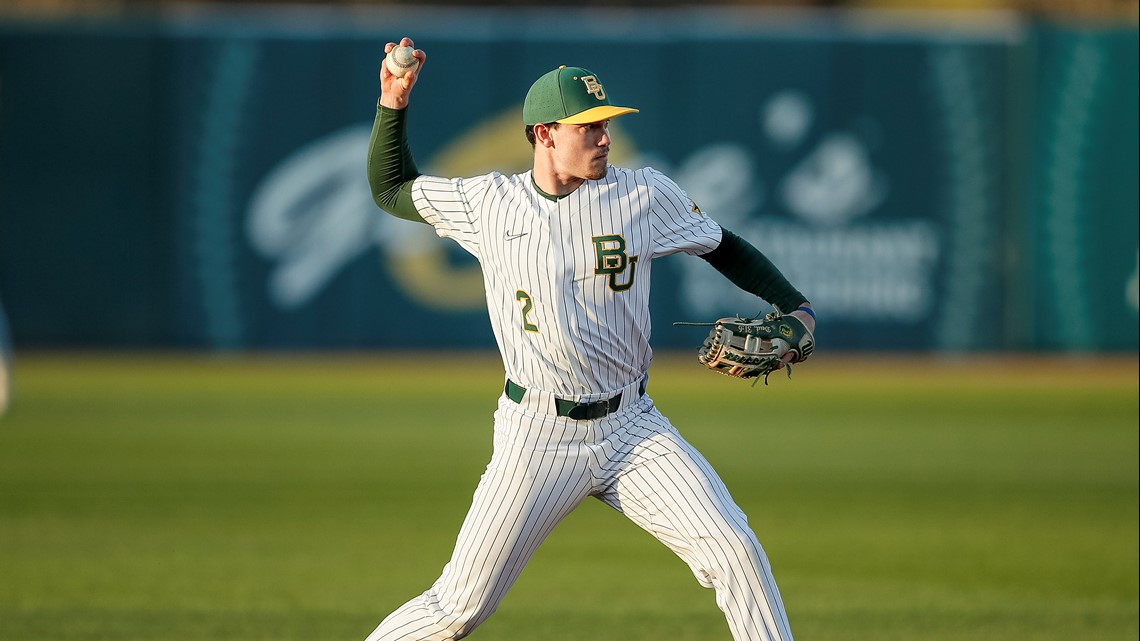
x=598, y=173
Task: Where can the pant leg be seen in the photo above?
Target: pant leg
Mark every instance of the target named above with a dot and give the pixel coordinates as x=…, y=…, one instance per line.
x=666, y=486
x=527, y=489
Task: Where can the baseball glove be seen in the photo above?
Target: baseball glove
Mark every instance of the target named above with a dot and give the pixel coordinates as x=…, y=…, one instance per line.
x=752, y=348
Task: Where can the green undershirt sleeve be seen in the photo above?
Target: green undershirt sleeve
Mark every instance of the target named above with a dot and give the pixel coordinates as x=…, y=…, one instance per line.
x=751, y=271
x=391, y=169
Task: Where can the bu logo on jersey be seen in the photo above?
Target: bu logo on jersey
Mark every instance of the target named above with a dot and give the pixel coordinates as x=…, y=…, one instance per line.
x=594, y=87
x=612, y=261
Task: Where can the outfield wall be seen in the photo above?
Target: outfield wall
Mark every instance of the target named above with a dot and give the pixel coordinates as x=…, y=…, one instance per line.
x=198, y=180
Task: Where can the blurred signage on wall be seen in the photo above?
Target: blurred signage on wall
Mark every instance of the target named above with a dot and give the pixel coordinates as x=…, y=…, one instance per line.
x=920, y=190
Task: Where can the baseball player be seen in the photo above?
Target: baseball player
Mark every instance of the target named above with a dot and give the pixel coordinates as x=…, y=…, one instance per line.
x=565, y=250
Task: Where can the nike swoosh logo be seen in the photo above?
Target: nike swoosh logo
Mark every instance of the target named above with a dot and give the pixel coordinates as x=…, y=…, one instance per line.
x=510, y=236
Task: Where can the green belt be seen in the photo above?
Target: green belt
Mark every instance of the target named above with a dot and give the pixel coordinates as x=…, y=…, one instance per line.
x=573, y=409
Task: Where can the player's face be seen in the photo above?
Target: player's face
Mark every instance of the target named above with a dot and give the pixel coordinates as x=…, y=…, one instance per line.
x=583, y=151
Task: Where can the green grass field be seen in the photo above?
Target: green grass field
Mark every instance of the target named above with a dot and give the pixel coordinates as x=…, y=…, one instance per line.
x=187, y=498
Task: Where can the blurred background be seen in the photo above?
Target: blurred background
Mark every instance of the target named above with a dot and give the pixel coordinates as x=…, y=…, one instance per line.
x=217, y=431
x=941, y=176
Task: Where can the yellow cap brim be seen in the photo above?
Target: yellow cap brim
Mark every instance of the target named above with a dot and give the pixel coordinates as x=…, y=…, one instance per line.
x=597, y=114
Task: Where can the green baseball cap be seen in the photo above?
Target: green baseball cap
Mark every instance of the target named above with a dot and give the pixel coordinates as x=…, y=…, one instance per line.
x=570, y=95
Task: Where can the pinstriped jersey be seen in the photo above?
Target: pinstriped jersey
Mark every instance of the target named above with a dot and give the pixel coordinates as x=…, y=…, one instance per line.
x=567, y=280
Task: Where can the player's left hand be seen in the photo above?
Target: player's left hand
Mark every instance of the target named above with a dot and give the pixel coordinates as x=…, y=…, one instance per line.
x=795, y=353
x=753, y=347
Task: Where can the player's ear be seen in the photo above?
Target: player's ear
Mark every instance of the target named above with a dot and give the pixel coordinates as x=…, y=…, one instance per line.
x=542, y=135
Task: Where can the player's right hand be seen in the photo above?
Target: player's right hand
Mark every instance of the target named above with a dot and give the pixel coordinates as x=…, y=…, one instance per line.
x=394, y=91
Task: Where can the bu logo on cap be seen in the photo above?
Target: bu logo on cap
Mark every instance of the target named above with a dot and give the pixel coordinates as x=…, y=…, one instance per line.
x=594, y=87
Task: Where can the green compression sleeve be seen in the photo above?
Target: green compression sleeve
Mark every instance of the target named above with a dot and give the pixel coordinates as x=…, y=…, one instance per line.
x=751, y=271
x=391, y=169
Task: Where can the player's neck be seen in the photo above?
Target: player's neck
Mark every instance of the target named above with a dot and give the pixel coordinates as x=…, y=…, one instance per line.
x=552, y=182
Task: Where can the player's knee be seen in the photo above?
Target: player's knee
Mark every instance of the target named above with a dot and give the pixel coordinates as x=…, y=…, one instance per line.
x=453, y=628
x=737, y=552
x=458, y=624
x=458, y=631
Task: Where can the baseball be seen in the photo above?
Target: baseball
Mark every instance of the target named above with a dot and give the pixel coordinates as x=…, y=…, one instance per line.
x=400, y=61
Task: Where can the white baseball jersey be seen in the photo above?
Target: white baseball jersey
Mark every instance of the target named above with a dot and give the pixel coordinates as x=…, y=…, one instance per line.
x=568, y=280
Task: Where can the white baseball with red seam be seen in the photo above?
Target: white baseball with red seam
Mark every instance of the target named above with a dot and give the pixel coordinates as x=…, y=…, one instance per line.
x=401, y=61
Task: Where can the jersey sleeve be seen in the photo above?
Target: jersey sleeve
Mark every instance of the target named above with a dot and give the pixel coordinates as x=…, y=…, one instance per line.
x=451, y=206
x=391, y=168
x=678, y=223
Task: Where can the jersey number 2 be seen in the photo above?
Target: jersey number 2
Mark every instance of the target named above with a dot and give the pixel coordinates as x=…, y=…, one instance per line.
x=527, y=307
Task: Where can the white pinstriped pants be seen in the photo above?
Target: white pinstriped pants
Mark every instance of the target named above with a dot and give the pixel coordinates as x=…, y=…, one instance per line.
x=543, y=467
